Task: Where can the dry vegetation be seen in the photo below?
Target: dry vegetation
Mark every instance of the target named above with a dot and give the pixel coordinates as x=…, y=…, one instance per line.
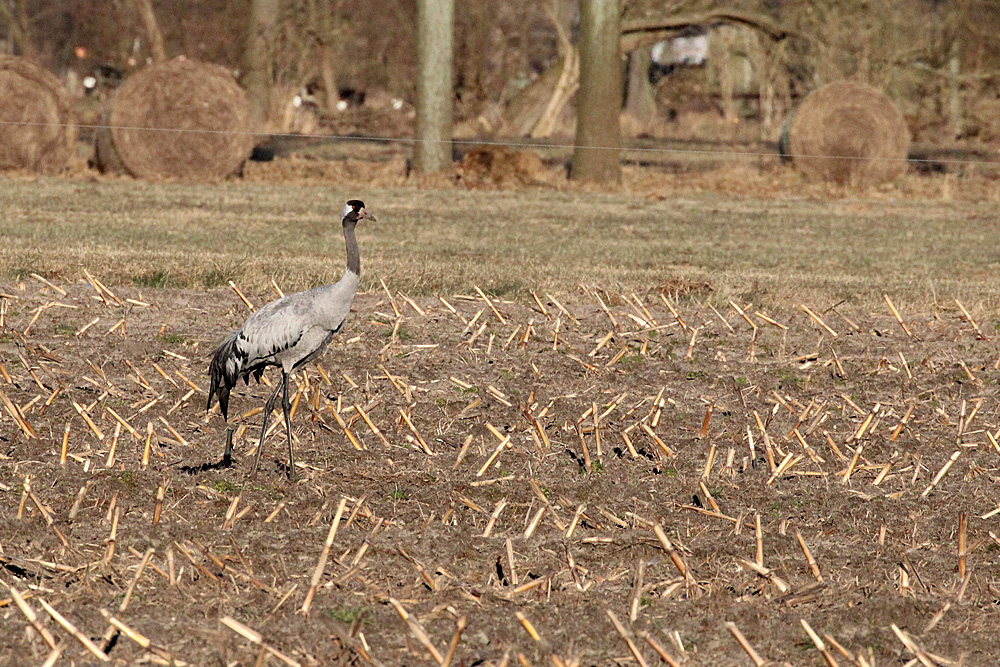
x=772, y=250
x=723, y=416
x=561, y=427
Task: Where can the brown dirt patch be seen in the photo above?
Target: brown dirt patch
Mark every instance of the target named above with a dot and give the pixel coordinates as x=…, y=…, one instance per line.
x=493, y=166
x=679, y=286
x=417, y=529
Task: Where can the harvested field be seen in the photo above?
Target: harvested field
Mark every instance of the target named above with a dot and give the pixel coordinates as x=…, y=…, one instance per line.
x=520, y=469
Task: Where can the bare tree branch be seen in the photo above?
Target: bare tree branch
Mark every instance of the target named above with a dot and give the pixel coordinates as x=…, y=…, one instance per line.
x=157, y=48
x=637, y=33
x=14, y=14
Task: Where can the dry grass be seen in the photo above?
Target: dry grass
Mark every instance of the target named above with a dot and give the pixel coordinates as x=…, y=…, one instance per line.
x=735, y=477
x=772, y=251
x=748, y=468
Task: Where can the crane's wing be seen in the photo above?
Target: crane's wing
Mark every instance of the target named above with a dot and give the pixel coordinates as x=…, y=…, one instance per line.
x=266, y=333
x=277, y=327
x=271, y=330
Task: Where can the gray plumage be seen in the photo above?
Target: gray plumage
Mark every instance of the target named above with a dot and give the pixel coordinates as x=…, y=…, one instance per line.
x=288, y=332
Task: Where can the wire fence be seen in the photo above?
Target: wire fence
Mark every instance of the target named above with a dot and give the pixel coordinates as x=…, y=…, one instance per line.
x=513, y=144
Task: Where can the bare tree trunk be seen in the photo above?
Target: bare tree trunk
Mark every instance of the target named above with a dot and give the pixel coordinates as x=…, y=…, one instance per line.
x=560, y=13
x=598, y=135
x=157, y=48
x=14, y=15
x=328, y=77
x=565, y=89
x=954, y=89
x=640, y=100
x=722, y=66
x=257, y=74
x=322, y=18
x=435, y=28
x=727, y=86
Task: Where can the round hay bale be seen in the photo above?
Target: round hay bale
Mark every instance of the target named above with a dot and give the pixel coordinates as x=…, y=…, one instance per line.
x=37, y=131
x=850, y=134
x=180, y=118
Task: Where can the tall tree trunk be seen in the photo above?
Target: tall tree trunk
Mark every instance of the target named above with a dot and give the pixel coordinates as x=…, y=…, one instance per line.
x=955, y=89
x=14, y=16
x=323, y=20
x=598, y=135
x=435, y=28
x=640, y=101
x=328, y=77
x=157, y=47
x=257, y=59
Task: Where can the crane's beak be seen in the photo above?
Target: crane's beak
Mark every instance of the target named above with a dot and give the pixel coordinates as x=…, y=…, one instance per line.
x=365, y=215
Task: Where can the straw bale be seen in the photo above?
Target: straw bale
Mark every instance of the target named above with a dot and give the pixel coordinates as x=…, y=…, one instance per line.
x=849, y=133
x=37, y=131
x=181, y=119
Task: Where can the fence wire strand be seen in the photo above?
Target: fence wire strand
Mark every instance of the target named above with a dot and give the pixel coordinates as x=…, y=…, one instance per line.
x=506, y=144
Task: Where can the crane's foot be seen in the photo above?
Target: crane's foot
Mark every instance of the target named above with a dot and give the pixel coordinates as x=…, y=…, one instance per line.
x=226, y=462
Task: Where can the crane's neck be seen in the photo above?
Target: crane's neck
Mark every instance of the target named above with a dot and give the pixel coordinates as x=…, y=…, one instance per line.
x=353, y=256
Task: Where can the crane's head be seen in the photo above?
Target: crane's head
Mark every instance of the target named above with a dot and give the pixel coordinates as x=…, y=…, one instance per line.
x=354, y=210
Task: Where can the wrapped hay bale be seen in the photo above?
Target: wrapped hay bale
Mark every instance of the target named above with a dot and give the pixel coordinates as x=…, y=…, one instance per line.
x=179, y=118
x=36, y=125
x=850, y=134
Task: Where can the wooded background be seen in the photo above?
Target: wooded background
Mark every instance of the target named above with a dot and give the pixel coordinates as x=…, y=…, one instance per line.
x=516, y=63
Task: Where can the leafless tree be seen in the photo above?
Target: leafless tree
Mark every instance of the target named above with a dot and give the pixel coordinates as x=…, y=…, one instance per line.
x=598, y=135
x=157, y=46
x=640, y=101
x=323, y=15
x=257, y=63
x=435, y=27
x=14, y=16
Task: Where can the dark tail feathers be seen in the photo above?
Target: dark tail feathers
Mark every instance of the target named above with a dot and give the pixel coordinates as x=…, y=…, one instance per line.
x=218, y=370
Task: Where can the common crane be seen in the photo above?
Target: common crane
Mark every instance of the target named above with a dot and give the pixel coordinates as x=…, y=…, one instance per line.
x=288, y=332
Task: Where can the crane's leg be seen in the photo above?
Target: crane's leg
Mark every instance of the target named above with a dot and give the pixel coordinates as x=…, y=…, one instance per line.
x=227, y=456
x=286, y=407
x=268, y=407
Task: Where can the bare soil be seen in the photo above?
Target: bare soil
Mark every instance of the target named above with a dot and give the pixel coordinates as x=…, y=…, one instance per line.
x=521, y=513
